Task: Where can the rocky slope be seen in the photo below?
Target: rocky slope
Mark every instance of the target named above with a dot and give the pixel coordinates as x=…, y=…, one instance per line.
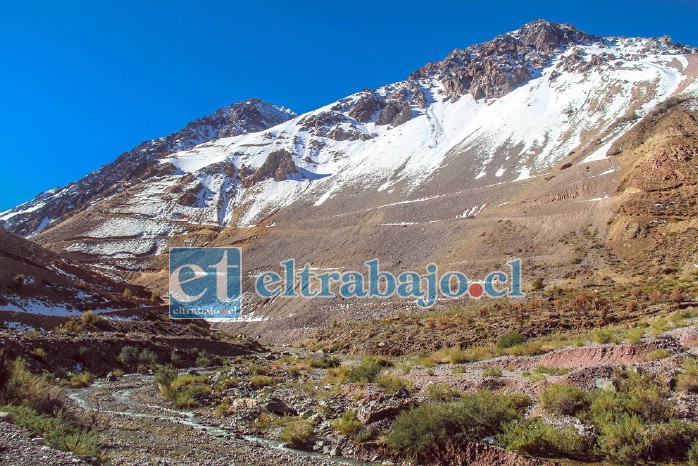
x=506, y=148
x=37, y=281
x=140, y=164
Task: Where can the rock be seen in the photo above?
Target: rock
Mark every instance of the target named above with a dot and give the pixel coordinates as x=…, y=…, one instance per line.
x=111, y=377
x=336, y=451
x=278, y=407
x=193, y=371
x=373, y=411
x=5, y=417
x=401, y=393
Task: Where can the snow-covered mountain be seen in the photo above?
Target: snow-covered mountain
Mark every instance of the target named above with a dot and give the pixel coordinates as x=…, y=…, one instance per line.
x=139, y=164
x=460, y=138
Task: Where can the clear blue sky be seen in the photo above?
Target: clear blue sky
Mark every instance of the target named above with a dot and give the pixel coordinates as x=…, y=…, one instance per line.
x=83, y=81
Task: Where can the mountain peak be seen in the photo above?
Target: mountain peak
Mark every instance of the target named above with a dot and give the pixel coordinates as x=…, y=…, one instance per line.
x=546, y=35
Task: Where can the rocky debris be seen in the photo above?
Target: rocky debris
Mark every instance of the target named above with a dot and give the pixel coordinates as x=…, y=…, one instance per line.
x=334, y=125
x=480, y=454
x=278, y=165
x=5, y=417
x=279, y=408
x=395, y=113
x=378, y=410
x=588, y=378
x=595, y=355
x=19, y=447
x=366, y=107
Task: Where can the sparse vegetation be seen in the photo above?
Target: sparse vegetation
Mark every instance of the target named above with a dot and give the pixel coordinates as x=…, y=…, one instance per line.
x=564, y=400
x=537, y=438
x=297, y=433
x=509, y=340
x=428, y=431
x=347, y=423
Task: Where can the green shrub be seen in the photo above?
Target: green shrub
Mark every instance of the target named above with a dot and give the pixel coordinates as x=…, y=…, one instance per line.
x=537, y=284
x=79, y=380
x=39, y=353
x=90, y=318
x=535, y=437
x=564, y=400
x=296, y=434
x=261, y=381
x=688, y=381
x=348, y=423
x=441, y=392
x=427, y=431
x=19, y=386
x=492, y=372
x=693, y=454
x=552, y=370
x=366, y=372
x=624, y=440
x=203, y=360
x=190, y=396
x=57, y=431
x=672, y=440
x=510, y=339
x=658, y=354
x=164, y=376
x=128, y=356
x=636, y=395
x=326, y=362
x=393, y=383
x=147, y=358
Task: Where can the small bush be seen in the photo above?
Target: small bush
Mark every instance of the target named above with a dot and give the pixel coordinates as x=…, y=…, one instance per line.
x=636, y=395
x=510, y=339
x=535, y=437
x=427, y=431
x=624, y=440
x=79, y=380
x=90, y=318
x=492, y=372
x=326, y=362
x=164, y=376
x=688, y=381
x=366, y=372
x=147, y=358
x=21, y=387
x=39, y=353
x=127, y=294
x=476, y=353
x=564, y=400
x=128, y=356
x=552, y=370
x=659, y=353
x=348, y=423
x=393, y=383
x=693, y=454
x=338, y=374
x=57, y=431
x=261, y=381
x=441, y=392
x=537, y=284
x=297, y=434
x=203, y=360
